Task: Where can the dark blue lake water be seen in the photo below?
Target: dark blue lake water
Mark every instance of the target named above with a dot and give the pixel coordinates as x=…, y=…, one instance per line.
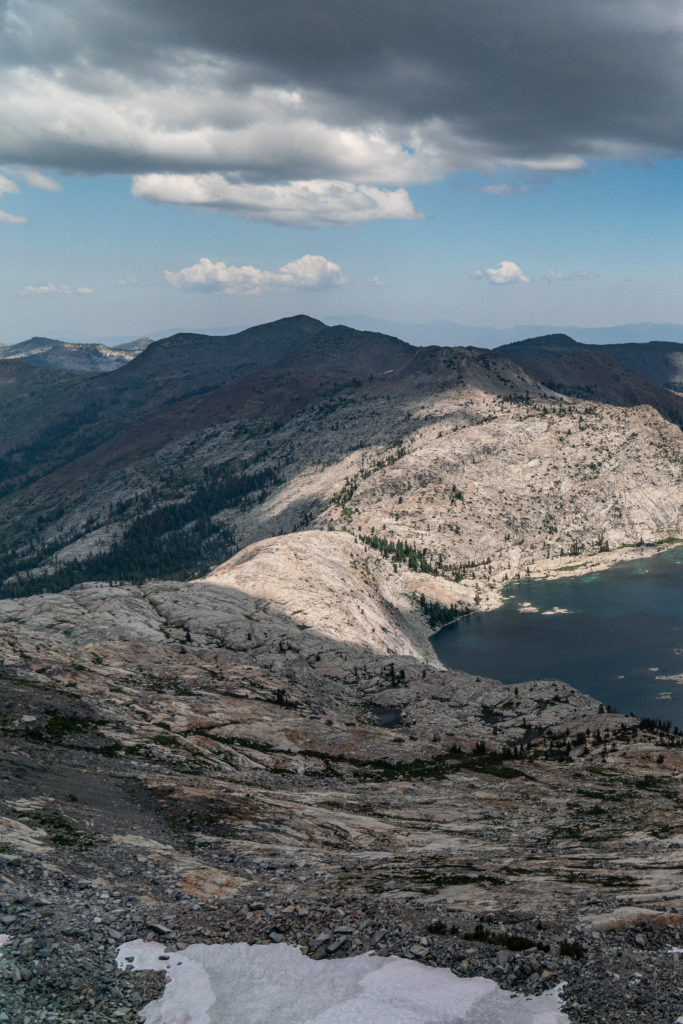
x=617, y=635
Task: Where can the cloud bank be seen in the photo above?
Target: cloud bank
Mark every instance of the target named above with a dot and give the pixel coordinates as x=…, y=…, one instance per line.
x=55, y=289
x=363, y=98
x=12, y=218
x=301, y=202
x=309, y=272
x=554, y=276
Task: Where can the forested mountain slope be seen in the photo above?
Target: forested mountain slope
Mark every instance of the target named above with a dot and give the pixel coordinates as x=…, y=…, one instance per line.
x=202, y=445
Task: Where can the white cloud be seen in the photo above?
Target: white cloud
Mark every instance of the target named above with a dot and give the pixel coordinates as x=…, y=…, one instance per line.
x=503, y=189
x=203, y=120
x=312, y=202
x=7, y=186
x=556, y=276
x=556, y=163
x=506, y=272
x=54, y=289
x=46, y=289
x=12, y=218
x=311, y=272
x=37, y=180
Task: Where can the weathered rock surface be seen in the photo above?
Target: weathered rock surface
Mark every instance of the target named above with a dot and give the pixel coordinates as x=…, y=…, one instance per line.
x=203, y=762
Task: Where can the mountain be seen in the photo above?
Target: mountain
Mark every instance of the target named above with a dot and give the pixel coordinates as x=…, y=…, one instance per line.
x=187, y=382
x=74, y=357
x=136, y=346
x=449, y=332
x=25, y=389
x=202, y=445
x=659, y=361
x=591, y=371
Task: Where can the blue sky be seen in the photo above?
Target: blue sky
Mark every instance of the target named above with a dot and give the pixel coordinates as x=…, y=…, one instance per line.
x=138, y=182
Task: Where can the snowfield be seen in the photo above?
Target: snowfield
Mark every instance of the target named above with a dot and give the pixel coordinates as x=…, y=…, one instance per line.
x=276, y=984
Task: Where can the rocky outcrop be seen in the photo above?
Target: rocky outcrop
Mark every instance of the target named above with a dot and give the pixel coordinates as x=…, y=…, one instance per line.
x=199, y=761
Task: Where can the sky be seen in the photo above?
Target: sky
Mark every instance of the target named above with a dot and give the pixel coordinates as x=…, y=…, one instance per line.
x=194, y=166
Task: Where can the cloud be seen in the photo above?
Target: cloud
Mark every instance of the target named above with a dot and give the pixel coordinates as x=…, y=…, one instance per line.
x=54, y=289
x=506, y=272
x=298, y=202
x=46, y=289
x=503, y=189
x=556, y=276
x=37, y=180
x=309, y=272
x=7, y=186
x=12, y=218
x=33, y=178
x=365, y=94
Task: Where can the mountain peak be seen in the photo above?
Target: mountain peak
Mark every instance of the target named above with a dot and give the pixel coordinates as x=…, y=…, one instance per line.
x=547, y=341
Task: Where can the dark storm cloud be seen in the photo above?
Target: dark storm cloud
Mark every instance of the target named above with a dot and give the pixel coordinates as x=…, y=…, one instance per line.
x=558, y=72
x=381, y=92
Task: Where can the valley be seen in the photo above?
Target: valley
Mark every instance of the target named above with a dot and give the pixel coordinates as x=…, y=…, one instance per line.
x=223, y=718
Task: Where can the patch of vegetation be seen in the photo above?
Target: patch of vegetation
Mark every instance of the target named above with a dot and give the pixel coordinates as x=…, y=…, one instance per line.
x=656, y=725
x=515, y=943
x=444, y=880
x=418, y=560
x=439, y=614
x=59, y=725
x=110, y=749
x=439, y=927
x=165, y=740
x=172, y=540
x=343, y=497
x=441, y=765
x=239, y=741
x=573, y=949
x=62, y=833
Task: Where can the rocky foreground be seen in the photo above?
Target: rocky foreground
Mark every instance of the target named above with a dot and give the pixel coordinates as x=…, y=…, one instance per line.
x=250, y=757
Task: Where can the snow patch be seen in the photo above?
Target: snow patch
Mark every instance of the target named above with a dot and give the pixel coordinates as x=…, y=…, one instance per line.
x=677, y=678
x=276, y=984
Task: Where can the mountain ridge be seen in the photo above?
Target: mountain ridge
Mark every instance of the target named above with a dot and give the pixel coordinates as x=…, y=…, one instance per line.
x=203, y=445
x=78, y=357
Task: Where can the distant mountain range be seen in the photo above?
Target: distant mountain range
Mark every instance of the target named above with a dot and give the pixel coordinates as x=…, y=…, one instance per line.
x=102, y=354
x=447, y=332
x=631, y=374
x=73, y=356
x=195, y=425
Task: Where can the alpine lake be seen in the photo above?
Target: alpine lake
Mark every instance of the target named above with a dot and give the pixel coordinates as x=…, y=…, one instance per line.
x=616, y=634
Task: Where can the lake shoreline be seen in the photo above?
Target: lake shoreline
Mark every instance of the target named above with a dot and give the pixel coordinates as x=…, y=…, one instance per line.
x=548, y=569
x=616, y=635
